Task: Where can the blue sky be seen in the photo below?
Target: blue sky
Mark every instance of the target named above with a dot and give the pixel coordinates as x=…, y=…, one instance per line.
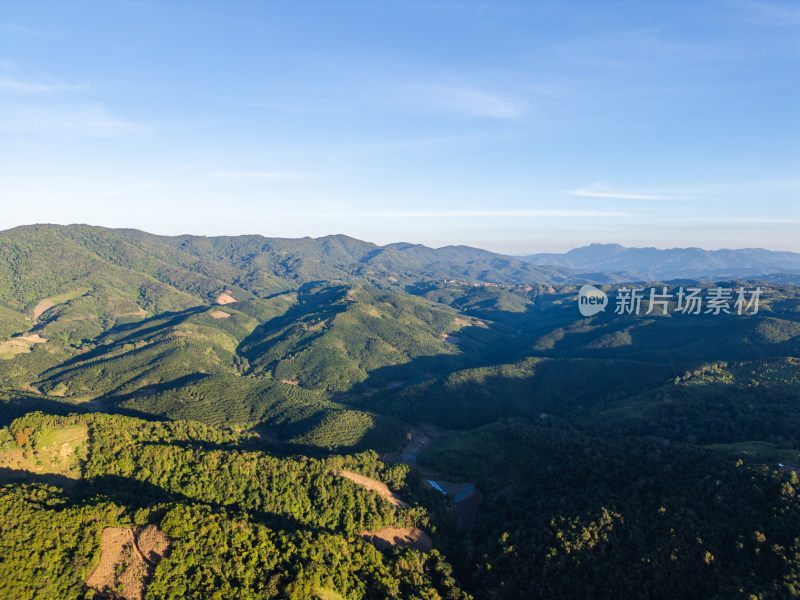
x=517, y=127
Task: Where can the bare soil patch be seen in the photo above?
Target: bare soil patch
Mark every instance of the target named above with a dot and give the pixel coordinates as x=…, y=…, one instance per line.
x=14, y=347
x=225, y=298
x=122, y=569
x=139, y=312
x=128, y=559
x=389, y=537
x=374, y=485
x=42, y=307
x=451, y=339
x=219, y=314
x=290, y=381
x=21, y=344
x=32, y=338
x=153, y=544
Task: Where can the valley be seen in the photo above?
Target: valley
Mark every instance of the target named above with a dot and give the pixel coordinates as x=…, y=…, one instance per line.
x=310, y=418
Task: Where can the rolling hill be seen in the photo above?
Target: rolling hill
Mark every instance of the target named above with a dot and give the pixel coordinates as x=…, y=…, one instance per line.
x=210, y=384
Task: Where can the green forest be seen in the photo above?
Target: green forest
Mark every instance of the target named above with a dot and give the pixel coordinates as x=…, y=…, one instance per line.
x=243, y=523
x=268, y=415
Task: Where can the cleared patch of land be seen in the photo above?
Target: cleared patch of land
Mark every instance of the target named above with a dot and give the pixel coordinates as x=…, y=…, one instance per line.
x=21, y=344
x=128, y=558
x=59, y=451
x=389, y=537
x=451, y=339
x=42, y=307
x=13, y=347
x=374, y=485
x=225, y=298
x=139, y=312
x=153, y=544
x=31, y=338
x=219, y=314
x=122, y=569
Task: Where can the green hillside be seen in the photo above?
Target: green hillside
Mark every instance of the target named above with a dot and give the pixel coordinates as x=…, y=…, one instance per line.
x=206, y=386
x=337, y=337
x=290, y=414
x=610, y=517
x=723, y=404
x=474, y=397
x=240, y=521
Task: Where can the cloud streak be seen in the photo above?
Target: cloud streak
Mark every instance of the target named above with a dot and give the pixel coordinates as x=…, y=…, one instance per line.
x=467, y=101
x=597, y=192
x=725, y=189
x=13, y=27
x=81, y=122
x=24, y=87
x=267, y=175
x=441, y=214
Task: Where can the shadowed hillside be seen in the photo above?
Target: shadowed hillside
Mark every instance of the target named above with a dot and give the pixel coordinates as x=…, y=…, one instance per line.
x=204, y=386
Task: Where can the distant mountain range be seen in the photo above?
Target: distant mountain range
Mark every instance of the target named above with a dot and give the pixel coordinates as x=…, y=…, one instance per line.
x=594, y=447
x=653, y=264
x=36, y=257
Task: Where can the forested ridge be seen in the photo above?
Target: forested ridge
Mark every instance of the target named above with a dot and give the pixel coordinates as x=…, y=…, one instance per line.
x=623, y=517
x=243, y=523
x=215, y=387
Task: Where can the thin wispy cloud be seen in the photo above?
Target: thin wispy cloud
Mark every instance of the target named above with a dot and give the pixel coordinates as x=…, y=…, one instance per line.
x=80, y=121
x=597, y=191
x=440, y=214
x=467, y=101
x=13, y=27
x=267, y=175
x=26, y=87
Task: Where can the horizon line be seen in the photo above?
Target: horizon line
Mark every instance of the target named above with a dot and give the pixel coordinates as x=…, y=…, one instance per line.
x=462, y=245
